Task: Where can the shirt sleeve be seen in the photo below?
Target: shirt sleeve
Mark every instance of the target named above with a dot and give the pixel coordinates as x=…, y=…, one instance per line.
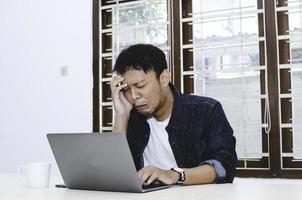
x=220, y=143
x=219, y=169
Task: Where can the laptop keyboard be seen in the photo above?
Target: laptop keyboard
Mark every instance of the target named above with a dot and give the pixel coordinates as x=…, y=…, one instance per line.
x=153, y=185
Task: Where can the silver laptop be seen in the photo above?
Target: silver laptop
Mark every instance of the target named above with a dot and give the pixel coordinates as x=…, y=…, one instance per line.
x=97, y=161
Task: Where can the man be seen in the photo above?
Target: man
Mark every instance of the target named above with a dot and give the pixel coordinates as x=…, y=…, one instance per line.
x=174, y=138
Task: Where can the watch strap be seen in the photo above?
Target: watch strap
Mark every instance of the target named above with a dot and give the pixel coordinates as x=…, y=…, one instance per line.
x=182, y=175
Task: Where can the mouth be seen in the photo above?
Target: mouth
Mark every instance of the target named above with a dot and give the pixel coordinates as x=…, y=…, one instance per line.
x=141, y=107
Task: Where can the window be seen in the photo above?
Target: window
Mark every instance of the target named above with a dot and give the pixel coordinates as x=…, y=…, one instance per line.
x=220, y=59
x=245, y=53
x=124, y=23
x=289, y=38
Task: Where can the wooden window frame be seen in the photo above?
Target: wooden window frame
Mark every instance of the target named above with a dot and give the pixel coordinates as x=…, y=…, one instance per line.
x=275, y=167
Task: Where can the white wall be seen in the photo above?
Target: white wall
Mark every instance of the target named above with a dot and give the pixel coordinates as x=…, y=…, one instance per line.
x=37, y=38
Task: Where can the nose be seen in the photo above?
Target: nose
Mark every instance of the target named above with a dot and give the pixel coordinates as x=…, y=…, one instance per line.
x=135, y=94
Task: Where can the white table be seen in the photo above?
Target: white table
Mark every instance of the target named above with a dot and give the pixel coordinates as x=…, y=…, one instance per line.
x=13, y=187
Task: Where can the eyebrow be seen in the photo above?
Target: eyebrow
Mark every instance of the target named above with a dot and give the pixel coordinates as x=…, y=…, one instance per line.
x=142, y=81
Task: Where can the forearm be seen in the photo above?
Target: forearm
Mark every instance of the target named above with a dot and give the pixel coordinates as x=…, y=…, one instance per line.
x=200, y=175
x=121, y=124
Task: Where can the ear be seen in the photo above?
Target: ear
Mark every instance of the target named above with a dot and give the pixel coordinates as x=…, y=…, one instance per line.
x=164, y=78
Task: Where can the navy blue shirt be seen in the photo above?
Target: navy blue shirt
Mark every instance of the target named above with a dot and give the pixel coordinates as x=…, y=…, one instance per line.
x=198, y=131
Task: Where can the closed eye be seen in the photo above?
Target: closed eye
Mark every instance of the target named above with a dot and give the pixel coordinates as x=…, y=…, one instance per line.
x=140, y=86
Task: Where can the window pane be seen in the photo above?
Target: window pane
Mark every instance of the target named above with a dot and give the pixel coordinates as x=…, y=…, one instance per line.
x=295, y=33
x=297, y=111
x=226, y=66
x=142, y=22
x=125, y=23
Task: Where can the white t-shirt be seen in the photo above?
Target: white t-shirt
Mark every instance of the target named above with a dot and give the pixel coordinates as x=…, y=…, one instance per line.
x=158, y=151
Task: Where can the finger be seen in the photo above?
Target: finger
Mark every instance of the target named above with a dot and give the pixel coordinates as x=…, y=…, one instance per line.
x=116, y=81
x=116, y=91
x=144, y=169
x=152, y=178
x=119, y=87
x=140, y=172
x=145, y=174
x=122, y=96
x=125, y=100
x=144, y=178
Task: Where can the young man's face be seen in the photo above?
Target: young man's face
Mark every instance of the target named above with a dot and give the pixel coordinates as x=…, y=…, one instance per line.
x=144, y=91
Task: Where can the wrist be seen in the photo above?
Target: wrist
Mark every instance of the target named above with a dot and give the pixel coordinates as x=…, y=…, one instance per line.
x=181, y=175
x=122, y=115
x=120, y=124
x=174, y=177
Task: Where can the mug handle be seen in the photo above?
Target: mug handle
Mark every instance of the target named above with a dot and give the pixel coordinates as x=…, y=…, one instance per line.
x=21, y=170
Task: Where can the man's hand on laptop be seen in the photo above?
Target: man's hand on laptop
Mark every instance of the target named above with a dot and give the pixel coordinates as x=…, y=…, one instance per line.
x=149, y=174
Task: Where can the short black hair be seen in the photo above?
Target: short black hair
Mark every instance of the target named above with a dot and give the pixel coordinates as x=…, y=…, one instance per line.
x=141, y=57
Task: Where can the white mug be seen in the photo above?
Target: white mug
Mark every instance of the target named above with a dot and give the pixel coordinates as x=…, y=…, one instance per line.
x=37, y=174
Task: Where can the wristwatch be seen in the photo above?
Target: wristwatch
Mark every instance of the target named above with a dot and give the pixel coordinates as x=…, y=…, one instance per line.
x=182, y=175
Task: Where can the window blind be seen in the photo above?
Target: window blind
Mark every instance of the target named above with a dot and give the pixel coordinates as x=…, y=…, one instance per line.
x=224, y=49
